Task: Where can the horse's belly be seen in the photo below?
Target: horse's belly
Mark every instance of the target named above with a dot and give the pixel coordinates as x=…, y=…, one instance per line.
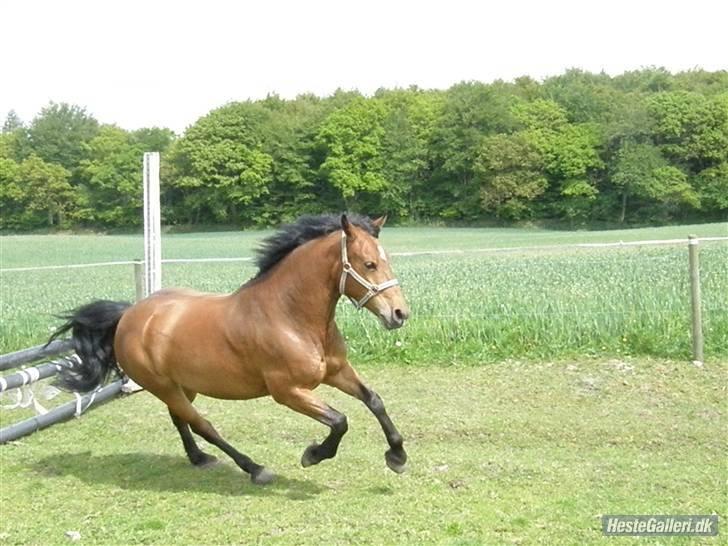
x=209, y=367
x=230, y=381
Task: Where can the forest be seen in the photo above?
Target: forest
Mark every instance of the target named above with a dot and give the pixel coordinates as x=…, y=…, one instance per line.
x=580, y=149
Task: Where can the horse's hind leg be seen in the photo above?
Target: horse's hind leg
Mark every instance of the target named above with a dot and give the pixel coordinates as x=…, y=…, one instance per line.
x=196, y=456
x=183, y=410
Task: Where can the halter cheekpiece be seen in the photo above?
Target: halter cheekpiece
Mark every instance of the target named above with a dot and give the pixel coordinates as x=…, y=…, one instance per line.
x=347, y=269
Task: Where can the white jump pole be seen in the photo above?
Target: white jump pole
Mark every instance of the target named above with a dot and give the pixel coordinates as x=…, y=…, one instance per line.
x=152, y=225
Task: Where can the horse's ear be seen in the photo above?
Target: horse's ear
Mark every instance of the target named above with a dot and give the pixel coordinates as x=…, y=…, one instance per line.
x=379, y=222
x=346, y=226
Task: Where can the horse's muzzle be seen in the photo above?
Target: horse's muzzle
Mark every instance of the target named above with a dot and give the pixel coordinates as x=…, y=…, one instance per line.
x=395, y=319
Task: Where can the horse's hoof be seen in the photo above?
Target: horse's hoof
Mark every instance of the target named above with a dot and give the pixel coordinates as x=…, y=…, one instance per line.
x=206, y=461
x=396, y=460
x=262, y=477
x=309, y=456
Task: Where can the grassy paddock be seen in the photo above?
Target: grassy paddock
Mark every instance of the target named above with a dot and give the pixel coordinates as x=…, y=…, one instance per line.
x=508, y=453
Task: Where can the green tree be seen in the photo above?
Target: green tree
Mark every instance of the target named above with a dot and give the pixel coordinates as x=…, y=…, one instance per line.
x=219, y=166
x=153, y=139
x=708, y=83
x=351, y=141
x=11, y=194
x=12, y=122
x=288, y=136
x=570, y=155
x=471, y=111
x=408, y=130
x=34, y=193
x=585, y=97
x=640, y=171
x=59, y=134
x=691, y=128
x=511, y=172
x=15, y=137
x=646, y=80
x=712, y=187
x=646, y=145
x=112, y=174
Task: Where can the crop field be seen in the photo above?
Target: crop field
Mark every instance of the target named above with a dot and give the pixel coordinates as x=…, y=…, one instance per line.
x=536, y=390
x=466, y=308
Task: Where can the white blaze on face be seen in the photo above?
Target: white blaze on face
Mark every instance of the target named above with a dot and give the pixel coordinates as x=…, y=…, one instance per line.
x=382, y=254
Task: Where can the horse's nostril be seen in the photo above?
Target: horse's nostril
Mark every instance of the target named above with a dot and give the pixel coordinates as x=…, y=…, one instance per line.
x=399, y=314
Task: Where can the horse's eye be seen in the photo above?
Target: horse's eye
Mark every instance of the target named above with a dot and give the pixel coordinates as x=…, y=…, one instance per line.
x=370, y=265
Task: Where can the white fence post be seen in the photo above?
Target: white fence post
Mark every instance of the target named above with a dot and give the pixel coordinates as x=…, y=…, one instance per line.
x=152, y=225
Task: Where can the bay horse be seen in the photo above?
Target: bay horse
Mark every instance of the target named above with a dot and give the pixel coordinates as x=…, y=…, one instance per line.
x=276, y=335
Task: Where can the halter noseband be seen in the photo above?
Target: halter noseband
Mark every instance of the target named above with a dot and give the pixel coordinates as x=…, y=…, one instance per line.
x=347, y=269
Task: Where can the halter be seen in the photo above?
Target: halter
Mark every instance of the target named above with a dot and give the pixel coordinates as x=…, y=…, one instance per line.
x=347, y=269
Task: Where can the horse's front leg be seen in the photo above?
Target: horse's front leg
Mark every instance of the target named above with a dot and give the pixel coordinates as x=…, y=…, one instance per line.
x=304, y=401
x=347, y=380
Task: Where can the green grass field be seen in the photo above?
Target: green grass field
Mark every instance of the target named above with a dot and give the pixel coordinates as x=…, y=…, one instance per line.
x=536, y=390
x=508, y=453
x=467, y=308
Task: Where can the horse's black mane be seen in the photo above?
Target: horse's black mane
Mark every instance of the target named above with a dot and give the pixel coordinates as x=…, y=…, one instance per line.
x=290, y=236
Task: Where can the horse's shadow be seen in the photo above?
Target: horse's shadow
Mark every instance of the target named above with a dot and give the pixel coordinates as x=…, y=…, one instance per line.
x=167, y=473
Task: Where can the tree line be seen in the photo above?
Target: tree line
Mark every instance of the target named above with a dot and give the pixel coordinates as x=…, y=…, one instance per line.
x=643, y=147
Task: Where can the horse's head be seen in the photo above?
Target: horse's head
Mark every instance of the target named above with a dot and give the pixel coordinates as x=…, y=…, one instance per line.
x=366, y=276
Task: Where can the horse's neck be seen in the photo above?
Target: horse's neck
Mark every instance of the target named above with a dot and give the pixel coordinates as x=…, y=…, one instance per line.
x=304, y=284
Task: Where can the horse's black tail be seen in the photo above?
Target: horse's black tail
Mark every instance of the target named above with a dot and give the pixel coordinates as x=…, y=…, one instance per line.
x=93, y=327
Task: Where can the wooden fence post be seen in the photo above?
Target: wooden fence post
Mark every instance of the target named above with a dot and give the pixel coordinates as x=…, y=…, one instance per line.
x=139, y=279
x=130, y=385
x=697, y=321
